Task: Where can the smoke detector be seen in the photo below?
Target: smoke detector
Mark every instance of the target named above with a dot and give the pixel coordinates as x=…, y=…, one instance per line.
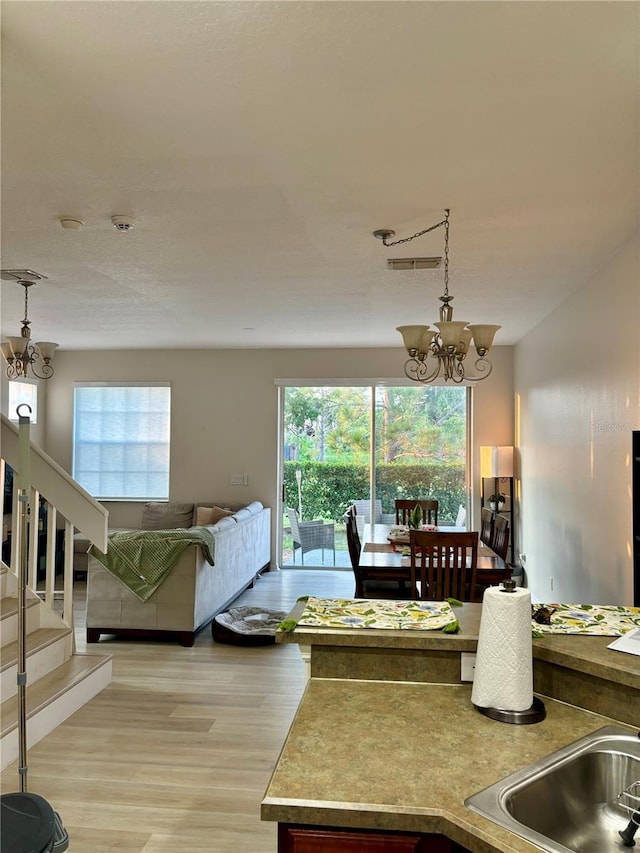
x=121, y=222
x=71, y=222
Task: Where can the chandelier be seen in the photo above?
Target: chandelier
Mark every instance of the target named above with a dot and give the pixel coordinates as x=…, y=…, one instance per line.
x=440, y=353
x=20, y=353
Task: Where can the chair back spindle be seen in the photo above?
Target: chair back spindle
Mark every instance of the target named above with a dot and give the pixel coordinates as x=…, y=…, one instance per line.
x=444, y=565
x=404, y=508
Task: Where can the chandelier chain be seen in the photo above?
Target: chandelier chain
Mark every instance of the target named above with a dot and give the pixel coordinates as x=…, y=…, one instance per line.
x=446, y=253
x=417, y=234
x=26, y=302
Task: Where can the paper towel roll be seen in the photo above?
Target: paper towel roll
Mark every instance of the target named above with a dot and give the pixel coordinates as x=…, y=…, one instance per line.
x=503, y=675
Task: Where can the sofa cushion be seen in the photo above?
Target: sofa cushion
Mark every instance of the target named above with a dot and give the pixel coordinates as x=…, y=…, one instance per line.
x=254, y=507
x=166, y=516
x=224, y=524
x=206, y=515
x=242, y=514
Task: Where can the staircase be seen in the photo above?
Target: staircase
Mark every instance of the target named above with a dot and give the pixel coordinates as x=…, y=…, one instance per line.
x=59, y=680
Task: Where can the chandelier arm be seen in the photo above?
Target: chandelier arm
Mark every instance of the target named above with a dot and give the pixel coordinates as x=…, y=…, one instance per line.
x=483, y=366
x=14, y=370
x=44, y=371
x=418, y=234
x=418, y=370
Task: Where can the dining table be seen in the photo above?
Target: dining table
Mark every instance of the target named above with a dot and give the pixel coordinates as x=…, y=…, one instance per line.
x=389, y=543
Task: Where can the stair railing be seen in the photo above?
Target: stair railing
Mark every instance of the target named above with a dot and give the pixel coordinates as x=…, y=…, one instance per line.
x=65, y=505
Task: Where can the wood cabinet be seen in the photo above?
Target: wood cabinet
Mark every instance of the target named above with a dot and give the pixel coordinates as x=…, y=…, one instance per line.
x=293, y=838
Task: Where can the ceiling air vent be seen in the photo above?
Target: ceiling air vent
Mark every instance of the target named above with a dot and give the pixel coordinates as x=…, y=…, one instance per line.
x=413, y=263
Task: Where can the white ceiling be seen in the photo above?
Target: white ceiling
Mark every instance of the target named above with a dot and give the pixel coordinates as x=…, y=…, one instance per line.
x=259, y=144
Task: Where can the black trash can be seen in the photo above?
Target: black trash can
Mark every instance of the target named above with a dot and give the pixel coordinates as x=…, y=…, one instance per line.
x=28, y=824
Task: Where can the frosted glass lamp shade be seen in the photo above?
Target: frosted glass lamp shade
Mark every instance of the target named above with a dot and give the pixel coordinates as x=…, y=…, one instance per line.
x=425, y=340
x=465, y=340
x=46, y=349
x=451, y=332
x=18, y=344
x=412, y=336
x=496, y=461
x=483, y=335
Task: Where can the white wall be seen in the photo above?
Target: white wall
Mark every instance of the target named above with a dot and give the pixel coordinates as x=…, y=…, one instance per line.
x=224, y=418
x=577, y=380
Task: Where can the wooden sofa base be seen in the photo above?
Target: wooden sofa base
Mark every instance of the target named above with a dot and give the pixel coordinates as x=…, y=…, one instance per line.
x=185, y=638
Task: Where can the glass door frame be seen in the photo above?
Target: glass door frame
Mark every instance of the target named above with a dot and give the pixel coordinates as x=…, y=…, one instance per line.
x=372, y=385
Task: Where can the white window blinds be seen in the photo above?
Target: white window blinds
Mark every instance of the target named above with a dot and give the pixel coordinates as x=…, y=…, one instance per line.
x=121, y=440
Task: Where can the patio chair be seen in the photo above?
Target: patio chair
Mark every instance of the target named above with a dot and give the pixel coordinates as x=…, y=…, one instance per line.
x=311, y=536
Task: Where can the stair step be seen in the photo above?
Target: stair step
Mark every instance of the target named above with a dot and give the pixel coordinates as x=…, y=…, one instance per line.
x=46, y=648
x=9, y=617
x=52, y=699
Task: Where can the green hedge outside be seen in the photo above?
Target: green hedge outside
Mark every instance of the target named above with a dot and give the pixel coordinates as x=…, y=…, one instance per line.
x=328, y=489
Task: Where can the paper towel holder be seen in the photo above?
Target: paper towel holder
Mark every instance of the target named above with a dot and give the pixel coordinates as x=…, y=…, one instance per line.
x=535, y=714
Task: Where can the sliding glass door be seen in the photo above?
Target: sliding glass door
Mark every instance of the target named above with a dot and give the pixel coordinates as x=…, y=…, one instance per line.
x=366, y=444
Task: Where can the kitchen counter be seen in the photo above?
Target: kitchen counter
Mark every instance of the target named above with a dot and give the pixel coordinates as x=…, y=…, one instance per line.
x=573, y=668
x=401, y=756
x=386, y=737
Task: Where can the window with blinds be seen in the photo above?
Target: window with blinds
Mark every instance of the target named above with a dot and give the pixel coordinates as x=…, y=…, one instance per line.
x=121, y=440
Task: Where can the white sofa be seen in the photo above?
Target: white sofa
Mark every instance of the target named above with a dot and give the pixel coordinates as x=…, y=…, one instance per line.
x=194, y=591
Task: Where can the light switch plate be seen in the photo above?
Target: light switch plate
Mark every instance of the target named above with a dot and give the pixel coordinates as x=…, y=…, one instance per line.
x=237, y=480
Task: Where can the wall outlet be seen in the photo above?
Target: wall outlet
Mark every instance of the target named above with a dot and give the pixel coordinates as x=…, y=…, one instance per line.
x=467, y=666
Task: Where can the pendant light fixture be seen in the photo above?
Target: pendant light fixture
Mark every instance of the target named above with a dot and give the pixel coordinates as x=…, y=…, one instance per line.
x=439, y=354
x=23, y=357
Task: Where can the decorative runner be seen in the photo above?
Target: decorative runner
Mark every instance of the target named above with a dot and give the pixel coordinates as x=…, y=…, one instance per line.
x=596, y=619
x=142, y=559
x=372, y=613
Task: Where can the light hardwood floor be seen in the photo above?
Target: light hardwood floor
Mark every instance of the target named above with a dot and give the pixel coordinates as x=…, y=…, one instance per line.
x=175, y=755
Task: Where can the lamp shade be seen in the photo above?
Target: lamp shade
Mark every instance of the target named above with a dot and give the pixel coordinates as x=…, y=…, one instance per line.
x=412, y=336
x=47, y=349
x=483, y=335
x=451, y=332
x=496, y=461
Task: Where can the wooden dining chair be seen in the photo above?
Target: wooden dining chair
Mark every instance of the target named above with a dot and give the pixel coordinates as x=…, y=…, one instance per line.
x=486, y=526
x=500, y=541
x=444, y=565
x=404, y=508
x=373, y=578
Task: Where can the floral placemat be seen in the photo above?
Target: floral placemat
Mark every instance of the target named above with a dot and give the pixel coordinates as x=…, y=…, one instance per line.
x=376, y=613
x=597, y=619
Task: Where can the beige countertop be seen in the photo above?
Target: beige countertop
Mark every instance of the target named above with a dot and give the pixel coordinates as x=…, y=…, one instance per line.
x=405, y=756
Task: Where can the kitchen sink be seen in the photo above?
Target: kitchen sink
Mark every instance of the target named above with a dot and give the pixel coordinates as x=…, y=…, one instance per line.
x=570, y=800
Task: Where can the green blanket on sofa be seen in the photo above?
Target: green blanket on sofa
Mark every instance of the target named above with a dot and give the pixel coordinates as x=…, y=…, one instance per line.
x=142, y=559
